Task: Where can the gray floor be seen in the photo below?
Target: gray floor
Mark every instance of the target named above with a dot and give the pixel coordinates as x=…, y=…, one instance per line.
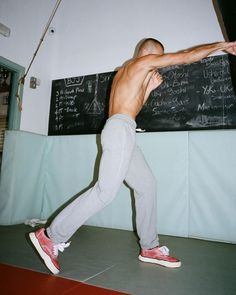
x=108, y=258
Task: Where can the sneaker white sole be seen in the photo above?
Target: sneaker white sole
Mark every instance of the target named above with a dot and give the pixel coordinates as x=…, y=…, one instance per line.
x=160, y=262
x=43, y=255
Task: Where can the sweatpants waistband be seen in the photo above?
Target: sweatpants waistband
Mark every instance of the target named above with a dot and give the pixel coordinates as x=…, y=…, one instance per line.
x=125, y=118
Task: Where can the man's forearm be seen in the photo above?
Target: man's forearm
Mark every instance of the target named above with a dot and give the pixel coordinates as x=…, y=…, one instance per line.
x=199, y=52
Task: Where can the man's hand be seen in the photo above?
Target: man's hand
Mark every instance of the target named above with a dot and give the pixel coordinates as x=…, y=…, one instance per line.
x=230, y=47
x=155, y=81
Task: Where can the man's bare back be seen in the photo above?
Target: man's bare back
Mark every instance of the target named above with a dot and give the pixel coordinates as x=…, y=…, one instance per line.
x=130, y=89
x=135, y=80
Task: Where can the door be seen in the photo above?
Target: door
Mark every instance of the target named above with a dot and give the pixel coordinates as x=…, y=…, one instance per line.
x=10, y=112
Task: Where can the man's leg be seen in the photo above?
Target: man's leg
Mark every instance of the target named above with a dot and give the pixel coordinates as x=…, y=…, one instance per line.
x=142, y=180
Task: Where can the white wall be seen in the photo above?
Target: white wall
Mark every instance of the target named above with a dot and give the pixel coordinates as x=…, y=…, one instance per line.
x=97, y=36
x=94, y=36
x=27, y=20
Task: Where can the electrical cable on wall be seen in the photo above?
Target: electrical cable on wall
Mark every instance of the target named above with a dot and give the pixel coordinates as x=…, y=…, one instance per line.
x=22, y=79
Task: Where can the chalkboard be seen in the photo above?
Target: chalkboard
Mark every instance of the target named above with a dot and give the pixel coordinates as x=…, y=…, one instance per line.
x=192, y=97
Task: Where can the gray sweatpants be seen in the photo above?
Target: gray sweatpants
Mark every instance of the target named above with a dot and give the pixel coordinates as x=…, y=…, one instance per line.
x=121, y=160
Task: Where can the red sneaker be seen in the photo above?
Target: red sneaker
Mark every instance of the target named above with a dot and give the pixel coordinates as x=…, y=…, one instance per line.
x=47, y=250
x=159, y=255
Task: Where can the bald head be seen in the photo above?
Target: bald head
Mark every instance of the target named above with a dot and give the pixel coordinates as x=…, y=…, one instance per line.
x=150, y=46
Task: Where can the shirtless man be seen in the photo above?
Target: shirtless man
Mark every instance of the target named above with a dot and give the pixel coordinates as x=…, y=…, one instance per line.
x=122, y=159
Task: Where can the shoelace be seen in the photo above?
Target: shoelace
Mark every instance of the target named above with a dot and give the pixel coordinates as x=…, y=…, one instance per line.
x=164, y=250
x=60, y=247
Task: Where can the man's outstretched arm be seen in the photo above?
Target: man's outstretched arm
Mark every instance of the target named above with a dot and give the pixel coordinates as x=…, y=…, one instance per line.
x=190, y=55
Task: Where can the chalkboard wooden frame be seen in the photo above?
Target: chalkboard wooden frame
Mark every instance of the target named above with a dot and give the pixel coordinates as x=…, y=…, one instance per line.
x=198, y=96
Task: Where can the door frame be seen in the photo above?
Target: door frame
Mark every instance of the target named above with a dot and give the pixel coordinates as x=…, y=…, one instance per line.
x=14, y=112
